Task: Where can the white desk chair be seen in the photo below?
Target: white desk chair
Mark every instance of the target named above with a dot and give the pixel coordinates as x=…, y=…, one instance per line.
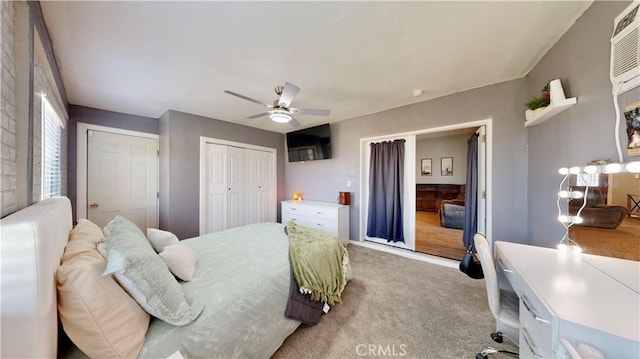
x=503, y=304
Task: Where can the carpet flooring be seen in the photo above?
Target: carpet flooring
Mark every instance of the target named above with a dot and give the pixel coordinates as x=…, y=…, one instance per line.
x=399, y=307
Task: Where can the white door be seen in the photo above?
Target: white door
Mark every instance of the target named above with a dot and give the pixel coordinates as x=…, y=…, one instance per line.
x=235, y=187
x=258, y=185
x=482, y=180
x=215, y=212
x=122, y=178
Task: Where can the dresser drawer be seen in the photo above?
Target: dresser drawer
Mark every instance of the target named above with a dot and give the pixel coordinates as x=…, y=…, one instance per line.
x=536, y=325
x=298, y=218
x=292, y=208
x=322, y=213
x=323, y=225
x=508, y=270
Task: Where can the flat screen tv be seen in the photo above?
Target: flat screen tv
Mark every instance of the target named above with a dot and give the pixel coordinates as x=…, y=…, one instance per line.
x=309, y=144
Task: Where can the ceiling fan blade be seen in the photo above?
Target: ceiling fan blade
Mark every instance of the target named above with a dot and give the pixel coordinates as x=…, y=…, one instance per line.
x=248, y=98
x=294, y=122
x=310, y=111
x=288, y=93
x=258, y=115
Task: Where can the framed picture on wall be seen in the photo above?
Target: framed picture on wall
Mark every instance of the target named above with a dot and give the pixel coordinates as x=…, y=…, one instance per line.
x=632, y=117
x=446, y=166
x=425, y=167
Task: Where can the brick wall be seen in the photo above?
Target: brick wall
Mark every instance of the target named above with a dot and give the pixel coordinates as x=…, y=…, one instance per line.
x=8, y=169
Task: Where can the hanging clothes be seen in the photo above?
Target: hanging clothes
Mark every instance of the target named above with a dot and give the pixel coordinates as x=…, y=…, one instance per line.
x=386, y=179
x=471, y=199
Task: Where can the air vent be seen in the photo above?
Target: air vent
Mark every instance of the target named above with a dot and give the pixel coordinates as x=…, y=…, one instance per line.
x=626, y=54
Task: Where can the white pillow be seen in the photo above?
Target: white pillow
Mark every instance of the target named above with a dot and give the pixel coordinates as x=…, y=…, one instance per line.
x=181, y=260
x=160, y=239
x=96, y=313
x=142, y=273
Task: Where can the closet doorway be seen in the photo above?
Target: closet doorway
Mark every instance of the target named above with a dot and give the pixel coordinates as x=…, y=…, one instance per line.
x=237, y=184
x=413, y=170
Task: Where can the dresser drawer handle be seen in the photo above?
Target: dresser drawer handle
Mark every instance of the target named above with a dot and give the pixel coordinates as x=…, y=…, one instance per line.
x=318, y=212
x=527, y=340
x=503, y=267
x=533, y=314
x=319, y=224
x=294, y=209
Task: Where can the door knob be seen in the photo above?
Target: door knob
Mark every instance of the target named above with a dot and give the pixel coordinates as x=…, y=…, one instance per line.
x=94, y=205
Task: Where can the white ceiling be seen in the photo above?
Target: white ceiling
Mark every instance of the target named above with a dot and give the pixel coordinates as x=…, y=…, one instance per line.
x=354, y=58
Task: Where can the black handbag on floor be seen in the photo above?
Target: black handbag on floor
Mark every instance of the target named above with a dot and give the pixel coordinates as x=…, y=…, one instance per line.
x=470, y=266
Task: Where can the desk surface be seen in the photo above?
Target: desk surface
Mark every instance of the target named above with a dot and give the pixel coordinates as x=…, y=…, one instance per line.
x=579, y=291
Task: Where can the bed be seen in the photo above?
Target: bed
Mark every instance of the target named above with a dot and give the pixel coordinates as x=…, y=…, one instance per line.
x=243, y=299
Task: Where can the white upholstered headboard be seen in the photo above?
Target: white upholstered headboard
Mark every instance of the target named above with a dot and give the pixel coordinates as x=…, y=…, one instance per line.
x=32, y=242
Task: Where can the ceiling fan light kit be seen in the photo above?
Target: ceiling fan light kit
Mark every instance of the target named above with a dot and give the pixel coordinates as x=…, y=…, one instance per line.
x=282, y=112
x=280, y=117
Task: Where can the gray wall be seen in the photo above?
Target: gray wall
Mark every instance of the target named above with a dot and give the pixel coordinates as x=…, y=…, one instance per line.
x=585, y=131
x=180, y=164
x=102, y=118
x=321, y=180
x=436, y=148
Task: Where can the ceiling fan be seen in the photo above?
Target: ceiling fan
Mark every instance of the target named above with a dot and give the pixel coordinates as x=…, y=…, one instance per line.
x=281, y=111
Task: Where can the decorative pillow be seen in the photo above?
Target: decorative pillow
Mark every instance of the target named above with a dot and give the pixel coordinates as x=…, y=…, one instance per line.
x=142, y=273
x=83, y=238
x=181, y=260
x=96, y=313
x=160, y=239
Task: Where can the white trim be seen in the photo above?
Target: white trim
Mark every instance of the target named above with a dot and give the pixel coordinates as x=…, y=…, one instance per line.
x=407, y=253
x=81, y=165
x=488, y=123
x=202, y=175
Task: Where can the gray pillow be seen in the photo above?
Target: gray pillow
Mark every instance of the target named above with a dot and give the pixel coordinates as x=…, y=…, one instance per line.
x=143, y=274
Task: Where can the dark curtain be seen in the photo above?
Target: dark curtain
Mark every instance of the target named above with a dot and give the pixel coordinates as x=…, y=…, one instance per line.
x=386, y=177
x=471, y=198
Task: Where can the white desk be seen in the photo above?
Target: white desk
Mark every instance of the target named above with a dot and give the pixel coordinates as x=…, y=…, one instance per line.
x=567, y=300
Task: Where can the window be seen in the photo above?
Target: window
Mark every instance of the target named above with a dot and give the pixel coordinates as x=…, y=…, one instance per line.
x=51, y=151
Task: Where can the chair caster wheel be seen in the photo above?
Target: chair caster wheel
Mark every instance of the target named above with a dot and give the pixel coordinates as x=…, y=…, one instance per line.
x=481, y=356
x=496, y=337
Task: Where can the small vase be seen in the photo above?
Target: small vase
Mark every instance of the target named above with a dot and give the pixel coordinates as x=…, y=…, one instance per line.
x=529, y=115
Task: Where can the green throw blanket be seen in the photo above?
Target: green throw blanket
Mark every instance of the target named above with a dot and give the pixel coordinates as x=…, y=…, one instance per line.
x=318, y=261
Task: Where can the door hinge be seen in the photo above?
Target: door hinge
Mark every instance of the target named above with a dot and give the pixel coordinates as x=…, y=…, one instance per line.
x=157, y=194
x=484, y=194
x=158, y=153
x=484, y=138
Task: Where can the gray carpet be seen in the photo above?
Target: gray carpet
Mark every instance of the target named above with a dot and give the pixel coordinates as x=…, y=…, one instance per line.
x=399, y=307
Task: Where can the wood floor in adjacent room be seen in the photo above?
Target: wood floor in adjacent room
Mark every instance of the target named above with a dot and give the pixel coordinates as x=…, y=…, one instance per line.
x=622, y=242
x=433, y=239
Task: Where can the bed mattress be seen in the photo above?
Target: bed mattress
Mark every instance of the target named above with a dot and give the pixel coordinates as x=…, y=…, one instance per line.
x=242, y=278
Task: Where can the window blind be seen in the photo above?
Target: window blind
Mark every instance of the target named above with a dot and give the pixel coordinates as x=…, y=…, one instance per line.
x=51, y=151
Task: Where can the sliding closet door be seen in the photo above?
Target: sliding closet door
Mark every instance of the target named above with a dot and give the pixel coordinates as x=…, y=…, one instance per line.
x=259, y=185
x=238, y=186
x=215, y=196
x=235, y=186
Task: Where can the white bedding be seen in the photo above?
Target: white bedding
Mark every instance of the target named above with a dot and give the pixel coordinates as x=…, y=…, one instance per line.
x=242, y=279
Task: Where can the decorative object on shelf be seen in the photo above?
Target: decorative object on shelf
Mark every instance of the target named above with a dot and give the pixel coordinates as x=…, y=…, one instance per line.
x=632, y=117
x=425, y=167
x=446, y=166
x=540, y=101
x=297, y=196
x=556, y=102
x=344, y=198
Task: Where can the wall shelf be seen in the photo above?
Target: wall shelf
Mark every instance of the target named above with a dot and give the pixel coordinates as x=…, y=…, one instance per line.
x=553, y=109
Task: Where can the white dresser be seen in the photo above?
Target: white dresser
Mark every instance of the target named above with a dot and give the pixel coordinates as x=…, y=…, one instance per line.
x=570, y=302
x=325, y=216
